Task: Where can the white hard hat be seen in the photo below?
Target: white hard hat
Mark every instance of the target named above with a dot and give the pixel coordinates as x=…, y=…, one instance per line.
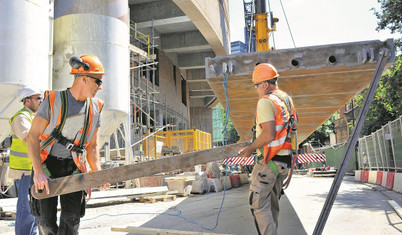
x=28, y=91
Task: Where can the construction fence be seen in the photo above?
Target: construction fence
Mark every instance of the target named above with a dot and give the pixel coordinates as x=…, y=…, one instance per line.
x=382, y=150
x=176, y=142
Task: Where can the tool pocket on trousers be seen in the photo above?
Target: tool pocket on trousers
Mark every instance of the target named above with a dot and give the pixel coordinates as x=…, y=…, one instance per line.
x=34, y=205
x=257, y=197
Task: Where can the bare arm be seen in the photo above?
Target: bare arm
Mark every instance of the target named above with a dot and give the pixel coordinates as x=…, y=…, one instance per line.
x=38, y=127
x=267, y=135
x=93, y=156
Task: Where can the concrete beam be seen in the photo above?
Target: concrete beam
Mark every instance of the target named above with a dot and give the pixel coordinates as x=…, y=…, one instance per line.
x=211, y=18
x=184, y=42
x=201, y=93
x=157, y=10
x=193, y=60
x=320, y=80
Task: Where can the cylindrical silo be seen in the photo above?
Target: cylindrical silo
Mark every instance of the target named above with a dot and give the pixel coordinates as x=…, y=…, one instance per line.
x=97, y=27
x=24, y=53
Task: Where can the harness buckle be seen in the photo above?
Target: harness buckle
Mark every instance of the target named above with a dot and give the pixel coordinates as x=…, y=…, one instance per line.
x=70, y=146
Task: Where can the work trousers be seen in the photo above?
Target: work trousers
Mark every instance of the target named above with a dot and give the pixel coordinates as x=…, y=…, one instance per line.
x=25, y=223
x=265, y=192
x=72, y=204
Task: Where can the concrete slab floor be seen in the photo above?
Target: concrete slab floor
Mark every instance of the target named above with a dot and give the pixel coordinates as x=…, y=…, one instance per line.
x=358, y=209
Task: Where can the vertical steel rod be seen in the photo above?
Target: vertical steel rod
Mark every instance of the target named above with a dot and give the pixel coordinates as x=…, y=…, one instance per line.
x=384, y=55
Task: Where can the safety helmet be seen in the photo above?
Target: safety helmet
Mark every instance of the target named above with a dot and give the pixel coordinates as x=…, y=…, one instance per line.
x=28, y=91
x=86, y=64
x=264, y=72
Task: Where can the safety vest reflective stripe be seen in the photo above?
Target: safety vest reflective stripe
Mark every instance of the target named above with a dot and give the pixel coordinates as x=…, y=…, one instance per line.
x=282, y=119
x=55, y=119
x=276, y=143
x=19, y=159
x=18, y=154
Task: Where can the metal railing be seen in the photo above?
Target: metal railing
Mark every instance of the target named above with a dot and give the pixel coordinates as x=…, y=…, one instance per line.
x=382, y=150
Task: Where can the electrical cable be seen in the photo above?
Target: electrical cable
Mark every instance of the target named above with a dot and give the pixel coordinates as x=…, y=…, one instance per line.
x=178, y=214
x=290, y=31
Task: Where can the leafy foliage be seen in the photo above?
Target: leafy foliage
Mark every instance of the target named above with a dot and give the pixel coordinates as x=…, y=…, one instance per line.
x=390, y=17
x=232, y=134
x=321, y=135
x=386, y=104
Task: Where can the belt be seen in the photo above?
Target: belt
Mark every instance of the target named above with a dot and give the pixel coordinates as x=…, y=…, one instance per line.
x=279, y=158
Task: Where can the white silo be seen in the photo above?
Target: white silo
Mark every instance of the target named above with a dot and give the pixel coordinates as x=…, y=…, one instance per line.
x=24, y=53
x=97, y=27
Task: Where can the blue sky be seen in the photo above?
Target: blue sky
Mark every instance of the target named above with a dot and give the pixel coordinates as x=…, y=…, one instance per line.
x=316, y=22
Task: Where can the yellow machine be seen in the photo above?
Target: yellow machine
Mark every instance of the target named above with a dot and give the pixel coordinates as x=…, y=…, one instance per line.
x=261, y=26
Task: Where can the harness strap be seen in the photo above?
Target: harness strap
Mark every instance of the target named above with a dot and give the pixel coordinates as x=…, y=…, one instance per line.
x=64, y=103
x=273, y=167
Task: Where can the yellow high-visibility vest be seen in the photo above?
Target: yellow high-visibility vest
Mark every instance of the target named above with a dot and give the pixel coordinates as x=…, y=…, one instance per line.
x=19, y=159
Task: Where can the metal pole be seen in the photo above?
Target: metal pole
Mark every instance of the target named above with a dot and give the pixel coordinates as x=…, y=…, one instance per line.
x=367, y=152
x=377, y=133
x=384, y=55
x=392, y=145
x=385, y=147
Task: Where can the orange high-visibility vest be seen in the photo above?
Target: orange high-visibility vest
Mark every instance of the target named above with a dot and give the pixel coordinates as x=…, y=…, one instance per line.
x=55, y=104
x=282, y=124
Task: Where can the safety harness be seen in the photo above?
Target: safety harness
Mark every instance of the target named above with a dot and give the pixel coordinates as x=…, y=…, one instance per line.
x=291, y=124
x=78, y=152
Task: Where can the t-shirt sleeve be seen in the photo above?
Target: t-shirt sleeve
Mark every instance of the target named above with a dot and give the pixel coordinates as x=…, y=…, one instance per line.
x=44, y=110
x=21, y=126
x=265, y=111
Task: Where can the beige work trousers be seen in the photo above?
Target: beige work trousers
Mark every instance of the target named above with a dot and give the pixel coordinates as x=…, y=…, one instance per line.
x=265, y=192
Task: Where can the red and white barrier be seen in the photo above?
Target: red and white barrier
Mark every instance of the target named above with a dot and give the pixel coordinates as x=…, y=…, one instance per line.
x=389, y=180
x=357, y=175
x=372, y=177
x=398, y=183
x=310, y=157
x=238, y=160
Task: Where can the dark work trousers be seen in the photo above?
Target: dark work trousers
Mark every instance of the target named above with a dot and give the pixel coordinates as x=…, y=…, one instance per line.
x=72, y=204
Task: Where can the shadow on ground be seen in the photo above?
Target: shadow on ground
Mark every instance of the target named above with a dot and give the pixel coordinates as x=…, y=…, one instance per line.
x=235, y=217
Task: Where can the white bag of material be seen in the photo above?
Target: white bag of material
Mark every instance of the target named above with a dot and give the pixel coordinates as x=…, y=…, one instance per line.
x=214, y=185
x=200, y=184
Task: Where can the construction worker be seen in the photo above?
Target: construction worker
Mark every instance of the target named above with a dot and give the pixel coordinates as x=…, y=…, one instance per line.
x=63, y=136
x=274, y=117
x=20, y=165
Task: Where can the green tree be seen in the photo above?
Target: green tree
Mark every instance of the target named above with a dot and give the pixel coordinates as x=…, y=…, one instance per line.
x=321, y=135
x=390, y=17
x=386, y=104
x=232, y=134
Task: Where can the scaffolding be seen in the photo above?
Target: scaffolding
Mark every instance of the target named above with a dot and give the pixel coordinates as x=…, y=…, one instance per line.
x=147, y=115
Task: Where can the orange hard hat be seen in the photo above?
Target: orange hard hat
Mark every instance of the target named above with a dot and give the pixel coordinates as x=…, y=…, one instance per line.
x=264, y=72
x=86, y=64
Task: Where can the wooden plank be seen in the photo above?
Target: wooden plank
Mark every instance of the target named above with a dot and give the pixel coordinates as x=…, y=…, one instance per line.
x=74, y=183
x=132, y=229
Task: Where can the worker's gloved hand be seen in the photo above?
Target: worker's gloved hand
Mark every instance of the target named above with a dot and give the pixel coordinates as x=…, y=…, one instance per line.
x=41, y=183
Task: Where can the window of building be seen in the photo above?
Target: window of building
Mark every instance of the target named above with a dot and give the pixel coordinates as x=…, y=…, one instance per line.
x=183, y=91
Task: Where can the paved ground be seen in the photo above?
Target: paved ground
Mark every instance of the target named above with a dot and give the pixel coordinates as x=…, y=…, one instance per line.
x=358, y=209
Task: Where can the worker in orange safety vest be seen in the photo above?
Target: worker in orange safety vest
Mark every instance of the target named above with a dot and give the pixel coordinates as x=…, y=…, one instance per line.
x=63, y=137
x=275, y=119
